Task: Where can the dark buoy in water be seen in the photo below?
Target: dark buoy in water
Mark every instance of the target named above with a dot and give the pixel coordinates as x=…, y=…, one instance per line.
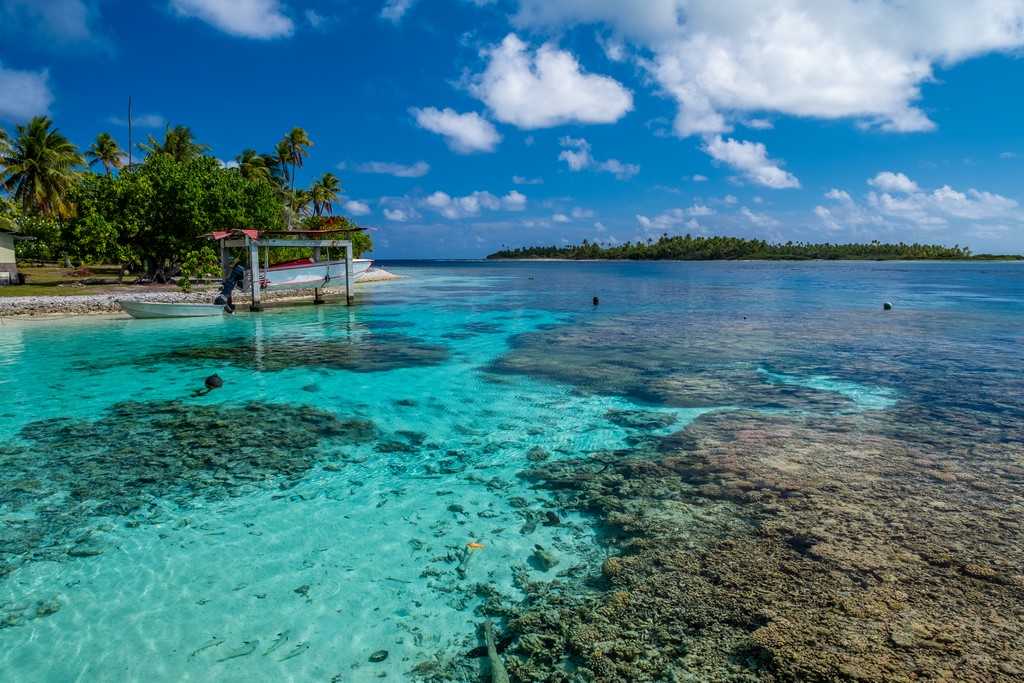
x=887, y=306
x=212, y=382
x=596, y=301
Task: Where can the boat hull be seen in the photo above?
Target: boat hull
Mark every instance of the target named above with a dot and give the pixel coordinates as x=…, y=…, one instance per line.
x=150, y=309
x=310, y=274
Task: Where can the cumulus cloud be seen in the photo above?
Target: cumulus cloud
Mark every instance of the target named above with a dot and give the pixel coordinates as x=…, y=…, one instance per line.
x=522, y=180
x=24, y=94
x=356, y=207
x=546, y=88
x=260, y=19
x=394, y=10
x=464, y=133
x=398, y=215
x=417, y=170
x=750, y=159
x=761, y=220
x=897, y=202
x=674, y=218
x=724, y=59
x=578, y=157
x=887, y=181
x=472, y=204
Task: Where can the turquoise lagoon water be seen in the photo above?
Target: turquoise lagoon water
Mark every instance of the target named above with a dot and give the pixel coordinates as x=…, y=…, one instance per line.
x=315, y=512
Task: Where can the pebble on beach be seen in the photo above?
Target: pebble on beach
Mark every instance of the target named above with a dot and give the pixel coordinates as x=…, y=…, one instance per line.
x=99, y=304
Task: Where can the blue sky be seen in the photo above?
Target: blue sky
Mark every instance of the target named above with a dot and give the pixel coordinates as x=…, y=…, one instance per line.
x=459, y=126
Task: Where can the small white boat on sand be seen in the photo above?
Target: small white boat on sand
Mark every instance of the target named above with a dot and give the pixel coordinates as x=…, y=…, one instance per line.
x=309, y=274
x=153, y=309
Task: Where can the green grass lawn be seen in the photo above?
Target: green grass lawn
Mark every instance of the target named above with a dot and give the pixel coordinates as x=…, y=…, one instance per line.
x=61, y=281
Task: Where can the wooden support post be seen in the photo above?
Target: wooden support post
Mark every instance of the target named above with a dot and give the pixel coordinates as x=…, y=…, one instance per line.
x=350, y=280
x=225, y=259
x=254, y=273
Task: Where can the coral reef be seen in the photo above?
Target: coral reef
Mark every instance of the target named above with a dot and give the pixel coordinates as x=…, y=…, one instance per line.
x=61, y=489
x=806, y=534
x=764, y=553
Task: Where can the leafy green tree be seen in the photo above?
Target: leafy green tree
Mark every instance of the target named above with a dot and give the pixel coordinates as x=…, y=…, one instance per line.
x=179, y=144
x=37, y=168
x=193, y=198
x=46, y=246
x=111, y=214
x=107, y=152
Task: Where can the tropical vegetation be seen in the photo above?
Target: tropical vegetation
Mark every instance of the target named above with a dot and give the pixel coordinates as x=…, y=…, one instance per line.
x=689, y=248
x=150, y=217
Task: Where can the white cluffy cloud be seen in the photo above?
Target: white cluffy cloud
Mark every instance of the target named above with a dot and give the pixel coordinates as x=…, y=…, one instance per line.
x=261, y=19
x=899, y=203
x=464, y=133
x=887, y=181
x=471, y=205
x=546, y=88
x=750, y=159
x=725, y=59
x=24, y=94
x=579, y=158
x=674, y=218
x=357, y=208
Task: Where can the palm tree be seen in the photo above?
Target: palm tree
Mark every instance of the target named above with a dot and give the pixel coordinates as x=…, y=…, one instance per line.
x=253, y=166
x=300, y=202
x=324, y=192
x=179, y=143
x=297, y=141
x=105, y=151
x=282, y=158
x=37, y=167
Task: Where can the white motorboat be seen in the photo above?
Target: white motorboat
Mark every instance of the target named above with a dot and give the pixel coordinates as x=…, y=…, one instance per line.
x=310, y=274
x=153, y=309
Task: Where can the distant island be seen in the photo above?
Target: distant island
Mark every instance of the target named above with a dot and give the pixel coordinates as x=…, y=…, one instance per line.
x=689, y=248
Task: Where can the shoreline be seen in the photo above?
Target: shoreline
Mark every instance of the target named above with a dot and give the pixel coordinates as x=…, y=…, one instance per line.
x=105, y=304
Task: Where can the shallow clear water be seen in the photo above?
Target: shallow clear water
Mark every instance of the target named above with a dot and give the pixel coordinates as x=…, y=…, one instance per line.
x=321, y=502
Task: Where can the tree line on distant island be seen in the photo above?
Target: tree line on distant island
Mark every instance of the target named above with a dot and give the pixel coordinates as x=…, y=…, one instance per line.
x=152, y=213
x=689, y=248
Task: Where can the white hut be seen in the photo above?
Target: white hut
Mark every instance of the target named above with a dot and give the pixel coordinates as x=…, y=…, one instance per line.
x=8, y=268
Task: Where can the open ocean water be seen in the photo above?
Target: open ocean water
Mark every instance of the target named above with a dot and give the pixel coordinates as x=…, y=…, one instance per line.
x=719, y=472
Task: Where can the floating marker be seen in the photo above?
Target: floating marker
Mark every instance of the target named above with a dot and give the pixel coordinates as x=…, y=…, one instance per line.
x=887, y=306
